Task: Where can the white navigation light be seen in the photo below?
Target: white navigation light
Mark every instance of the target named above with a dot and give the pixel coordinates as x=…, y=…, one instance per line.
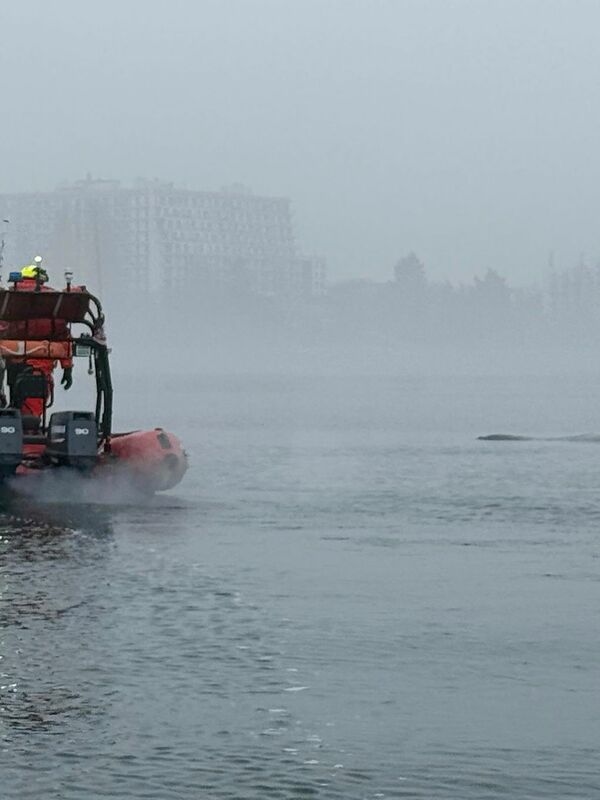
x=37, y=260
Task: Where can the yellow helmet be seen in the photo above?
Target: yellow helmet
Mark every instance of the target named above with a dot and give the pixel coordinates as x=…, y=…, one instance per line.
x=32, y=271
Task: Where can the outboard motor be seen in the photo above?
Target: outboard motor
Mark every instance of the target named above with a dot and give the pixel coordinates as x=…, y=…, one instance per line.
x=73, y=439
x=11, y=441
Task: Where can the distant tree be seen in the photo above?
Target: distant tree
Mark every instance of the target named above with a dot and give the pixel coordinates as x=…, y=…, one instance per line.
x=493, y=289
x=572, y=298
x=490, y=301
x=409, y=273
x=405, y=307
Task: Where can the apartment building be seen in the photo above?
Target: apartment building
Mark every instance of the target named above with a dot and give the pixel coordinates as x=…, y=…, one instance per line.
x=155, y=236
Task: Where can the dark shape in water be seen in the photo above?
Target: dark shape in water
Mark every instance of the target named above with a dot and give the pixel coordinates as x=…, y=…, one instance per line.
x=510, y=437
x=504, y=437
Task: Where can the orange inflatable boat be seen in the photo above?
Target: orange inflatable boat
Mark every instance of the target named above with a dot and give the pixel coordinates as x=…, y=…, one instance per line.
x=39, y=327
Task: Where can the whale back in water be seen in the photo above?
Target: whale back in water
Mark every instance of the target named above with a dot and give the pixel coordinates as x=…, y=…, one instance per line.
x=504, y=437
x=511, y=437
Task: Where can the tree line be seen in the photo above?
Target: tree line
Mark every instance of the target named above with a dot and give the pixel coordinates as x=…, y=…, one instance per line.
x=564, y=307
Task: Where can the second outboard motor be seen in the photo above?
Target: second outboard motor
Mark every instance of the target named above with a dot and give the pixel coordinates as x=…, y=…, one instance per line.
x=73, y=439
x=11, y=441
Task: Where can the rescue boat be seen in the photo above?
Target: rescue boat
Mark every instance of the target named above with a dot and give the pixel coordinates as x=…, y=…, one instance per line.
x=41, y=327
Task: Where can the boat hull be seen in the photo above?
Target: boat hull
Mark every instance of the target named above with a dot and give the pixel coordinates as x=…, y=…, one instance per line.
x=145, y=461
x=154, y=460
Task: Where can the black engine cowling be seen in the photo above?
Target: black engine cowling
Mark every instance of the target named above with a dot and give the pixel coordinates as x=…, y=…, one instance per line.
x=11, y=440
x=73, y=439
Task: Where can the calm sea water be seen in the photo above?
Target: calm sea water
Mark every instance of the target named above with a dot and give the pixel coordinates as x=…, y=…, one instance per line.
x=348, y=597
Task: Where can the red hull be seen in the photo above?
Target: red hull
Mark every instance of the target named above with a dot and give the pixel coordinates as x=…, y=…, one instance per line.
x=148, y=461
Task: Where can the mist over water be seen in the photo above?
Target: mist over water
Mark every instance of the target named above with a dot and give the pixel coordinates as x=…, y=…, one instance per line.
x=349, y=254
x=348, y=596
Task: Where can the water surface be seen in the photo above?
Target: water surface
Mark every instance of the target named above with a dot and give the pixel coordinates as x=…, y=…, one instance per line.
x=348, y=597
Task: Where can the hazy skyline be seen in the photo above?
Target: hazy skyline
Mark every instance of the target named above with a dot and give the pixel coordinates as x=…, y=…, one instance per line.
x=461, y=130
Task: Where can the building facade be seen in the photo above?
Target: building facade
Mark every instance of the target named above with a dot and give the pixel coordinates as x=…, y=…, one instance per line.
x=155, y=236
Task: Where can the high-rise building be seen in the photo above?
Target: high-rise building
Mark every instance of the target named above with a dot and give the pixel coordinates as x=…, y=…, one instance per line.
x=155, y=236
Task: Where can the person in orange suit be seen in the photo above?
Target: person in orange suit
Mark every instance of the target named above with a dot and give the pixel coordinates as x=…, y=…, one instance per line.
x=34, y=278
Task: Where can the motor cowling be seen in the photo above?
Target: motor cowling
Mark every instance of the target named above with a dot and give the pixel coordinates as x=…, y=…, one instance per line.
x=73, y=439
x=11, y=440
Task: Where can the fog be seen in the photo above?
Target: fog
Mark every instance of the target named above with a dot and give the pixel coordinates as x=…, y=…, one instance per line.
x=462, y=130
x=439, y=158
x=408, y=325
x=349, y=256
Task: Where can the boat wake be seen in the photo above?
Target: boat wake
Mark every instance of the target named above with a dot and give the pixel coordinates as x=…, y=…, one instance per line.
x=66, y=486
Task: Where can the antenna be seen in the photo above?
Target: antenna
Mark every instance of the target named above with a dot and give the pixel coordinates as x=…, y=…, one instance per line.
x=3, y=244
x=38, y=277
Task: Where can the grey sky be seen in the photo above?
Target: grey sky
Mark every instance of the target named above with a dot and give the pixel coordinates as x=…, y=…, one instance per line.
x=466, y=131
